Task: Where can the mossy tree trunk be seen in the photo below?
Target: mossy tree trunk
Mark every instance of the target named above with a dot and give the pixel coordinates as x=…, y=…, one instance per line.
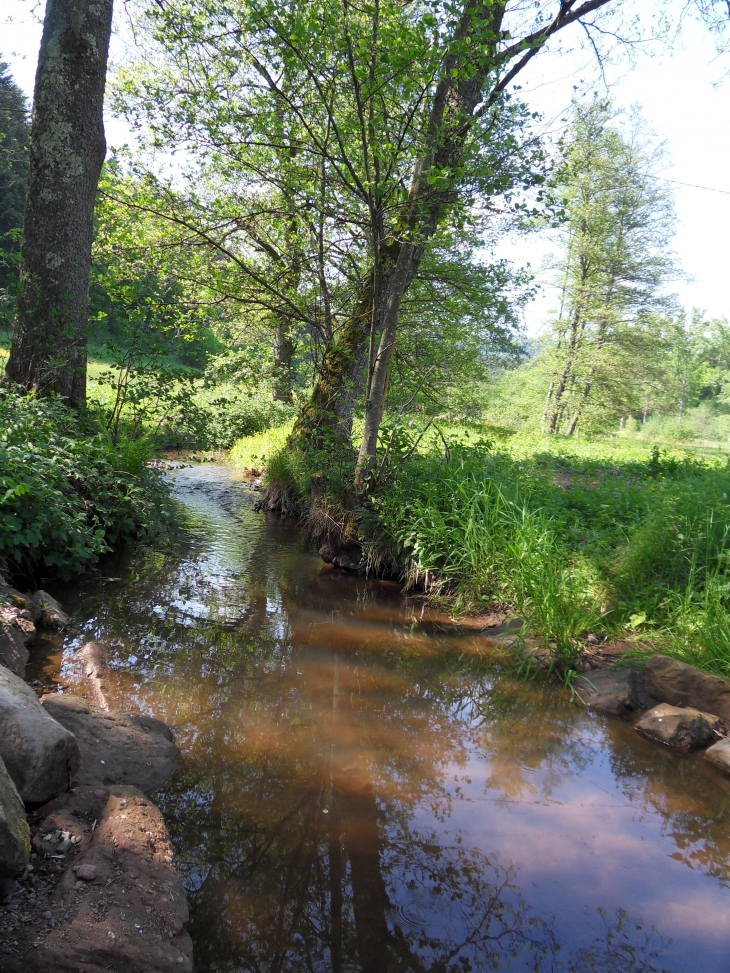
x=67, y=149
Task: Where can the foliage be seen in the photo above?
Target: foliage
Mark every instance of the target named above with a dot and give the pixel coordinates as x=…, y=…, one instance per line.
x=14, y=145
x=253, y=453
x=616, y=226
x=68, y=494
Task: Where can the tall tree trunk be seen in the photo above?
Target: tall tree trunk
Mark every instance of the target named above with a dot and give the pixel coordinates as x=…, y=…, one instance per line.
x=581, y=402
x=558, y=404
x=67, y=149
x=342, y=376
x=449, y=125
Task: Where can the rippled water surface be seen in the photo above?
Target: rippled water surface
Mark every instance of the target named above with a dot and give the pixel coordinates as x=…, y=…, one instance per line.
x=363, y=789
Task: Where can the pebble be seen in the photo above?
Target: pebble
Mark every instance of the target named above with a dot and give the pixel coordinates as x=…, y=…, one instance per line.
x=47, y=915
x=99, y=793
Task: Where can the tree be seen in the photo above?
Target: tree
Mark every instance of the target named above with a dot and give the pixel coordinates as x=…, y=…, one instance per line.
x=14, y=140
x=394, y=121
x=67, y=149
x=618, y=220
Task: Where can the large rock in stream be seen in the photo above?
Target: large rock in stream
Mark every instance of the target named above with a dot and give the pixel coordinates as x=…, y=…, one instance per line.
x=116, y=748
x=13, y=653
x=682, y=728
x=677, y=683
x=14, y=833
x=40, y=755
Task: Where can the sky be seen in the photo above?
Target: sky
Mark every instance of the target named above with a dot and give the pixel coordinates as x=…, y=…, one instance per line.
x=683, y=96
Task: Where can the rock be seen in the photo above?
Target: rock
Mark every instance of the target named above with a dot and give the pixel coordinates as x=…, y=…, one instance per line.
x=41, y=756
x=719, y=755
x=52, y=615
x=682, y=728
x=12, y=597
x=132, y=918
x=87, y=873
x=613, y=692
x=116, y=748
x=13, y=653
x=14, y=832
x=681, y=685
x=347, y=557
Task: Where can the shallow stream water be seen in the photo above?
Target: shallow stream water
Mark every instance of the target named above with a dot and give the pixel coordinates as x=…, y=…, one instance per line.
x=365, y=789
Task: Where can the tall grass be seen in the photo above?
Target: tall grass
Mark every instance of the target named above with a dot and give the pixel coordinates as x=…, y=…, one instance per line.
x=468, y=532
x=605, y=540
x=254, y=453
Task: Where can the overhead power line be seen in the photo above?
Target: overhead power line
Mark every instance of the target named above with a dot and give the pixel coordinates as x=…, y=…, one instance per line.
x=692, y=185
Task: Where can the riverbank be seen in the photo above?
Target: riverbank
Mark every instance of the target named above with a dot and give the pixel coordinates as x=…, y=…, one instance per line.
x=70, y=494
x=604, y=538
x=87, y=871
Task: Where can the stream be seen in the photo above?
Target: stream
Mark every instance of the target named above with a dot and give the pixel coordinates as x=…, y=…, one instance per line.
x=365, y=788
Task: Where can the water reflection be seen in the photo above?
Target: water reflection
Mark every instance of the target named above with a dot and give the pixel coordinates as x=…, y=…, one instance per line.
x=365, y=790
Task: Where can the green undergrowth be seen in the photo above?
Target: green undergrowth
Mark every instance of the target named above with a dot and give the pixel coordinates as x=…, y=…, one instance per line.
x=67, y=494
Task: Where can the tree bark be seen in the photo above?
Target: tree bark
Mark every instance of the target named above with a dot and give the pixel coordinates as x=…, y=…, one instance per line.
x=67, y=149
x=581, y=402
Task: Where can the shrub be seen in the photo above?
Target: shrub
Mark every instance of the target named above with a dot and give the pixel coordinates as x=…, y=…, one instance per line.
x=67, y=495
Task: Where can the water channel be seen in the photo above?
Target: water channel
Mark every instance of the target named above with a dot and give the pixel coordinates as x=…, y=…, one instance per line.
x=365, y=789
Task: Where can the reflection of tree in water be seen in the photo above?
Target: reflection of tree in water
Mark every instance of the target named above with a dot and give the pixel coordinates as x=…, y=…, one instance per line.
x=300, y=848
x=522, y=730
x=626, y=946
x=682, y=791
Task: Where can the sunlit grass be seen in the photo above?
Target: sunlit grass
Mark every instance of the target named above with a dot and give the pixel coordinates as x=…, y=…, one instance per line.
x=253, y=453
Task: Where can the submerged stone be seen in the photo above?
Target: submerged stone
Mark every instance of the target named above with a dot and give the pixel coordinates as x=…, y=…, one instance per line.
x=613, y=692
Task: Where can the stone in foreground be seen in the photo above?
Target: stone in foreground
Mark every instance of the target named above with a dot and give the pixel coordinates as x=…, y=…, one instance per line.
x=116, y=748
x=719, y=755
x=40, y=755
x=682, y=685
x=683, y=729
x=118, y=905
x=14, y=832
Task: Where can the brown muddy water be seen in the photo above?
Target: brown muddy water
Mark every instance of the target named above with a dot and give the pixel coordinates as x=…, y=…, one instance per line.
x=363, y=790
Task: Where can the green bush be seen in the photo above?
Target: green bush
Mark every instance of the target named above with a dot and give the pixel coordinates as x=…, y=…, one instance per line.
x=67, y=495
